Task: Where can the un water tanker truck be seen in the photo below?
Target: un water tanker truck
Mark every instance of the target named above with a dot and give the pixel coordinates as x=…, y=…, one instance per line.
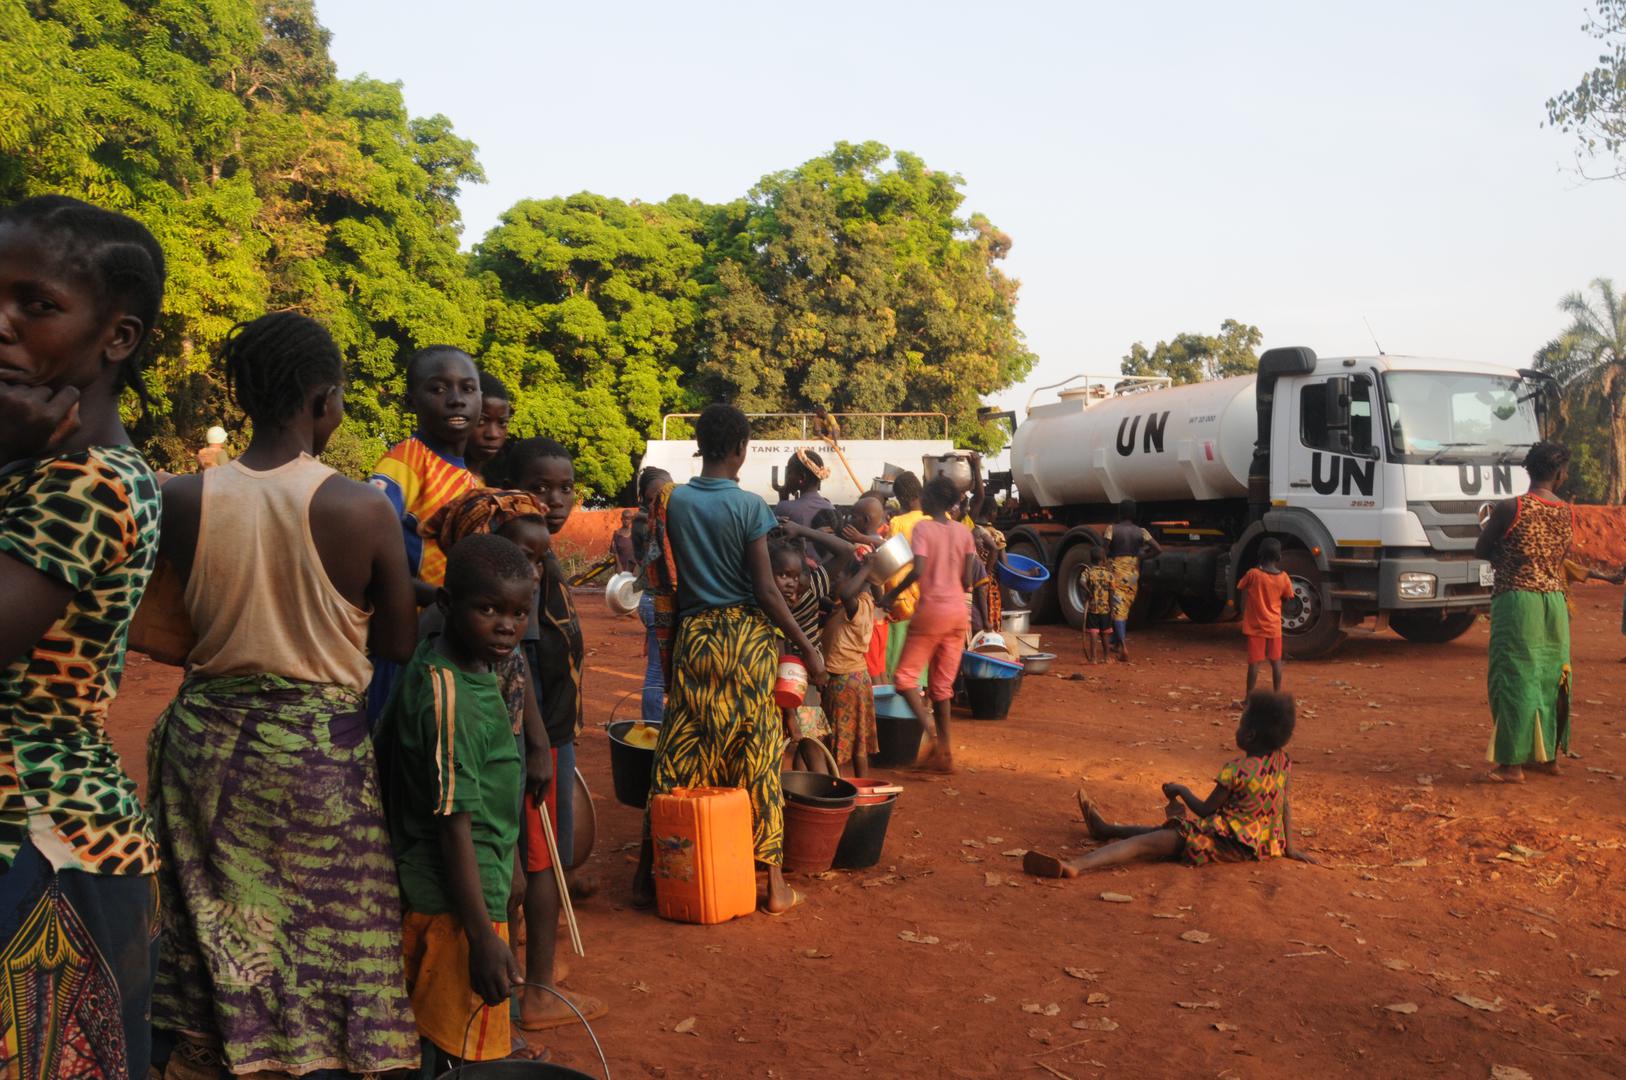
x=1373, y=472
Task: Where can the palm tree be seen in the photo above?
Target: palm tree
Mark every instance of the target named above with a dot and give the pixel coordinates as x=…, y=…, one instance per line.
x=1594, y=350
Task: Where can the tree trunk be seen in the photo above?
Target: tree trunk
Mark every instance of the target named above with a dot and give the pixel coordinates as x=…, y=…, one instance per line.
x=1617, y=443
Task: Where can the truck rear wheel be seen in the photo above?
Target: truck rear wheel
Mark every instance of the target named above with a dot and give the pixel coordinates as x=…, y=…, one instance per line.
x=1069, y=591
x=1041, y=603
x=1432, y=627
x=1203, y=609
x=1309, y=628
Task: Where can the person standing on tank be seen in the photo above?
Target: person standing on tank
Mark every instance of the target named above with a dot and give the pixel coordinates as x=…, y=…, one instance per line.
x=1127, y=545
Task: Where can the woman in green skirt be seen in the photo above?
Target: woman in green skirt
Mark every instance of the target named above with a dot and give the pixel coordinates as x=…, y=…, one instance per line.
x=1526, y=538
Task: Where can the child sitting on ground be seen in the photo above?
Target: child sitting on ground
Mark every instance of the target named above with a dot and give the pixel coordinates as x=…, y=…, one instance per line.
x=452, y=774
x=1096, y=579
x=1263, y=589
x=1246, y=817
x=849, y=696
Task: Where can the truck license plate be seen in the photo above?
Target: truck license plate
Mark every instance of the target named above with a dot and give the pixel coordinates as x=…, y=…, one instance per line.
x=1487, y=575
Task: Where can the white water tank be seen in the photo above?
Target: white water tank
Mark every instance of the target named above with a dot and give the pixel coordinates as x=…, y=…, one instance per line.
x=1171, y=444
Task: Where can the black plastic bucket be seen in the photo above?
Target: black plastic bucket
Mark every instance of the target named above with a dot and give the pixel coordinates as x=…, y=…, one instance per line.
x=990, y=699
x=630, y=766
x=865, y=834
x=899, y=740
x=817, y=789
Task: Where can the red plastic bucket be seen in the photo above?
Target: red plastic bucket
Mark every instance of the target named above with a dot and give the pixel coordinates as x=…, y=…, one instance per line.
x=791, y=686
x=812, y=834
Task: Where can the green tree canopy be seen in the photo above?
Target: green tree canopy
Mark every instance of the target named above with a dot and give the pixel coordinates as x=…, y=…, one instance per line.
x=855, y=285
x=593, y=304
x=853, y=281
x=1589, y=361
x=1189, y=358
x=1595, y=110
x=269, y=183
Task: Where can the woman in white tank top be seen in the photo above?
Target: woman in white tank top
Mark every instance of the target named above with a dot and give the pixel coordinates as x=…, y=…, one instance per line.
x=281, y=942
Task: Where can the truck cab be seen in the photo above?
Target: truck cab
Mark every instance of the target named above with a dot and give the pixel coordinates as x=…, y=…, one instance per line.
x=1382, y=468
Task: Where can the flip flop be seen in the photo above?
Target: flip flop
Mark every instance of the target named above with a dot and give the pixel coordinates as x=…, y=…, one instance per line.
x=1086, y=806
x=1041, y=865
x=796, y=899
x=591, y=1009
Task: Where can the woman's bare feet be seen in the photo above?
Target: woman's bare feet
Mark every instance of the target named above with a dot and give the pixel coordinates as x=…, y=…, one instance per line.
x=780, y=897
x=1546, y=768
x=1093, y=821
x=1506, y=774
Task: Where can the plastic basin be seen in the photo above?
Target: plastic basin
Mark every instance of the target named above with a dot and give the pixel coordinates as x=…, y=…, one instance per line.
x=1021, y=573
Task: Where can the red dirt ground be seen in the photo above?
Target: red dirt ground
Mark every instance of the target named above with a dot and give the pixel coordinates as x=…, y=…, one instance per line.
x=1497, y=912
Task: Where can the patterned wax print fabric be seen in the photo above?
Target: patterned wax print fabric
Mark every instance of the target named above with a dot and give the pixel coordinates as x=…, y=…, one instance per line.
x=560, y=651
x=722, y=727
x=78, y=952
x=1530, y=555
x=1097, y=581
x=282, y=916
x=849, y=700
x=1125, y=584
x=419, y=480
x=88, y=519
x=1251, y=823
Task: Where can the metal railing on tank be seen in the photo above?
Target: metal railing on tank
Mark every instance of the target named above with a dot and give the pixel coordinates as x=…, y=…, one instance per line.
x=854, y=425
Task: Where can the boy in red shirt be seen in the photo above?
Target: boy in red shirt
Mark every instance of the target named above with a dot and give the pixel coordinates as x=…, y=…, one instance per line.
x=1261, y=592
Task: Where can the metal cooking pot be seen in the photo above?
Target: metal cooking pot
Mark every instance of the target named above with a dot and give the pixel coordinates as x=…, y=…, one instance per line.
x=621, y=596
x=1014, y=622
x=955, y=466
x=892, y=557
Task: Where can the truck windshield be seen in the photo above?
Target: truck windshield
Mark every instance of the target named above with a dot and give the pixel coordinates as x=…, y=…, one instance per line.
x=1441, y=416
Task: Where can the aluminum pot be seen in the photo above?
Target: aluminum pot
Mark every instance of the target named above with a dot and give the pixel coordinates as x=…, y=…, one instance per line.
x=890, y=558
x=955, y=466
x=621, y=596
x=1014, y=622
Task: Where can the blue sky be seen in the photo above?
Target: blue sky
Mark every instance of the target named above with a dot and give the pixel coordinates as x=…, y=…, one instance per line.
x=1159, y=167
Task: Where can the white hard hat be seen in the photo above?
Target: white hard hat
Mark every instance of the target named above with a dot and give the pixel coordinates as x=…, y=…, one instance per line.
x=216, y=435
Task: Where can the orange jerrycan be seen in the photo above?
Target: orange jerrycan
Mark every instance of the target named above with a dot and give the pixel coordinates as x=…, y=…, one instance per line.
x=704, y=866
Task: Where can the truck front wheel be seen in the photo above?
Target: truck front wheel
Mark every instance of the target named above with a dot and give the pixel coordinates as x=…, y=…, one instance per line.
x=1309, y=628
x=1432, y=627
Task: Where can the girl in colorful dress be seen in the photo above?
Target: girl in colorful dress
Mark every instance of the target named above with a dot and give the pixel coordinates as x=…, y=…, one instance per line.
x=1245, y=818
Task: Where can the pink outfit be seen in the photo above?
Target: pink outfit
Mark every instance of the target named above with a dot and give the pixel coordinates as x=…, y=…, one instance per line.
x=942, y=619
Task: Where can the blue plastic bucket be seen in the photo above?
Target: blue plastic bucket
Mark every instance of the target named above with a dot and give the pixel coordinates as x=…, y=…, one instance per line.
x=1021, y=573
x=977, y=666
